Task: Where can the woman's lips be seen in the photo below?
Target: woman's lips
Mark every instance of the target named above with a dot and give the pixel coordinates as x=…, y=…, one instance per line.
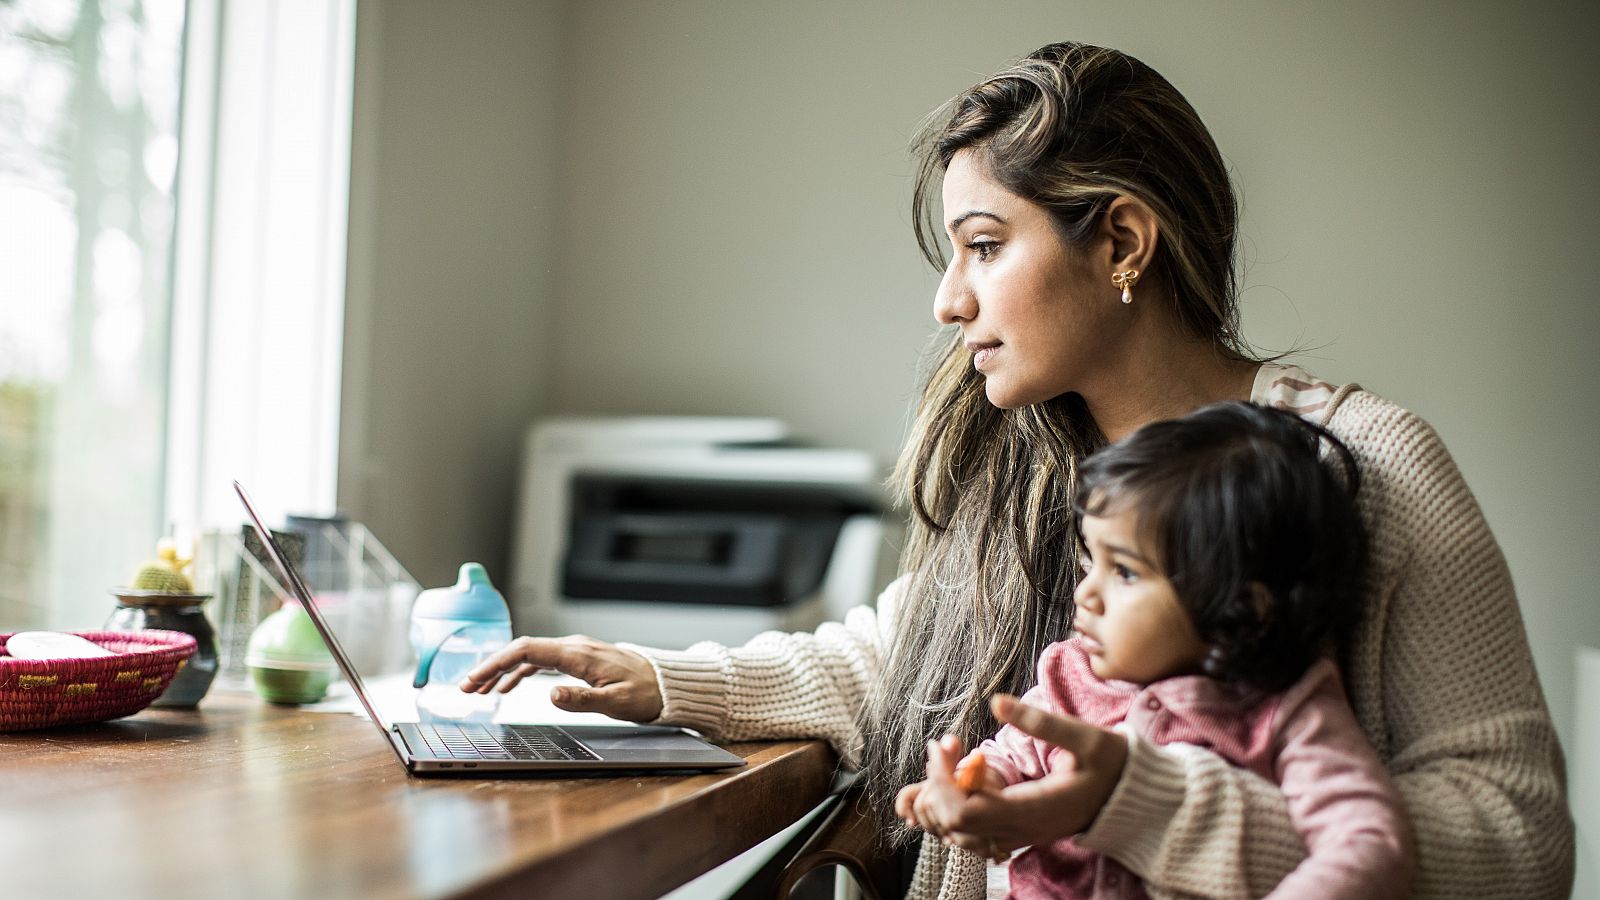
x=982, y=354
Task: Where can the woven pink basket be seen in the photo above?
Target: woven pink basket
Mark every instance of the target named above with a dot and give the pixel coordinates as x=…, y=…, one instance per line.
x=40, y=693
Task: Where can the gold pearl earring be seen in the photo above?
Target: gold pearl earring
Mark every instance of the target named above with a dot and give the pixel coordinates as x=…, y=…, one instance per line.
x=1126, y=281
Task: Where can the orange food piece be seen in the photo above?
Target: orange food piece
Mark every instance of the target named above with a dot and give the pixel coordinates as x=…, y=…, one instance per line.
x=970, y=771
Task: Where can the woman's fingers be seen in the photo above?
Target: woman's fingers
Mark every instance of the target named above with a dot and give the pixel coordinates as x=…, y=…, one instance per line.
x=1068, y=733
x=1098, y=754
x=943, y=755
x=903, y=803
x=538, y=653
x=922, y=813
x=578, y=656
x=932, y=801
x=988, y=848
x=502, y=682
x=981, y=814
x=621, y=700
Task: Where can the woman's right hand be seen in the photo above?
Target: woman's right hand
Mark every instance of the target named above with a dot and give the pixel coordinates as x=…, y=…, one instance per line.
x=1061, y=803
x=622, y=684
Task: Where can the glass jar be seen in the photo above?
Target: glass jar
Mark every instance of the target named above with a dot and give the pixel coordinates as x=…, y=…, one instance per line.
x=138, y=610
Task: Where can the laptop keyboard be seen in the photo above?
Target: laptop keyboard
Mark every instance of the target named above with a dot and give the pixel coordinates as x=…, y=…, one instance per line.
x=471, y=741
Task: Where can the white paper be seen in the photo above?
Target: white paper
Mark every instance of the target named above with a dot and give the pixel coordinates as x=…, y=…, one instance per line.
x=395, y=700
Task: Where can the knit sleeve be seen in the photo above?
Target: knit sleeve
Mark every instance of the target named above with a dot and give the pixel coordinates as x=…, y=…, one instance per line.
x=1442, y=682
x=946, y=873
x=1190, y=824
x=804, y=684
x=1442, y=677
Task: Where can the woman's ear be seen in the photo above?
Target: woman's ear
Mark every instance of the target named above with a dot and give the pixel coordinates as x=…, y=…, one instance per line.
x=1131, y=231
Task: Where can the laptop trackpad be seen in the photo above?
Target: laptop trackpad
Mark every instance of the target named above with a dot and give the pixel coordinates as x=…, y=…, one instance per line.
x=601, y=738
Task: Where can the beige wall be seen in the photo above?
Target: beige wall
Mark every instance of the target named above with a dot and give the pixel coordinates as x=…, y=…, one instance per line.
x=453, y=236
x=702, y=207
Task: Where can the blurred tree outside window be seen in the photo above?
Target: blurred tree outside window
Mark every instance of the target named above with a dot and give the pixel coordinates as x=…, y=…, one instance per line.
x=171, y=304
x=89, y=100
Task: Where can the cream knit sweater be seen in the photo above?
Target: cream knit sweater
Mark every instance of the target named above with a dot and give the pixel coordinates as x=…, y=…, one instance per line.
x=1439, y=674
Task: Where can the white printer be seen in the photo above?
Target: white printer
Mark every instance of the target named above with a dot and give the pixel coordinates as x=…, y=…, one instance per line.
x=665, y=531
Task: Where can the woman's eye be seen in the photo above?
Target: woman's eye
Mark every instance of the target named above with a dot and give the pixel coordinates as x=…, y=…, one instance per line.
x=984, y=249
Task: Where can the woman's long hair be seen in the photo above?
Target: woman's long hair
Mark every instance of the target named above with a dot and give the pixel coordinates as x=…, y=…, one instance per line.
x=991, y=554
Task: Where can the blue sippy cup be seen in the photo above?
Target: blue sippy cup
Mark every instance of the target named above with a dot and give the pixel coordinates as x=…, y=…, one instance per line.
x=452, y=630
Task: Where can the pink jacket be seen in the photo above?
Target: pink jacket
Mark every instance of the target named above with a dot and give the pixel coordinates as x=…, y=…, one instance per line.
x=1357, y=834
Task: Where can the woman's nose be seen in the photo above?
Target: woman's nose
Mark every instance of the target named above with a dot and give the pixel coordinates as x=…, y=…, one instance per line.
x=954, y=301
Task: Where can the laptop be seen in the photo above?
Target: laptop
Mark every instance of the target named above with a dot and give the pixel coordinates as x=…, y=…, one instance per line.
x=473, y=749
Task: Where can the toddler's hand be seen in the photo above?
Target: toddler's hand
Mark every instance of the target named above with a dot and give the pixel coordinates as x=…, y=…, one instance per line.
x=974, y=776
x=935, y=804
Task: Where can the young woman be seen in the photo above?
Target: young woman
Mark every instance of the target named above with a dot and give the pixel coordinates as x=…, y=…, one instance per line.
x=1091, y=290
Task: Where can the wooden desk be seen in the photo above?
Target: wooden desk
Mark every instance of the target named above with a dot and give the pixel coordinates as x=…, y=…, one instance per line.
x=243, y=799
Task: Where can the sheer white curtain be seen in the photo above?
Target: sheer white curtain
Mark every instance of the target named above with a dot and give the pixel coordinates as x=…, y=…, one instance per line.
x=259, y=300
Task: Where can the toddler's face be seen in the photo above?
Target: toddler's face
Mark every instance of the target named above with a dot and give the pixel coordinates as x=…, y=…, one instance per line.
x=1129, y=617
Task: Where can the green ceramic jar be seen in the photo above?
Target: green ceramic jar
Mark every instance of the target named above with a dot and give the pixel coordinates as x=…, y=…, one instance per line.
x=287, y=659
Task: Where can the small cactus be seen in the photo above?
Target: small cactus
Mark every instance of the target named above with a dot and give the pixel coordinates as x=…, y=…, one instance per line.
x=164, y=574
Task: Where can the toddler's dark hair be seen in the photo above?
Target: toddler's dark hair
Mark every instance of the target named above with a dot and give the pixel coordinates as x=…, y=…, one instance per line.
x=1235, y=495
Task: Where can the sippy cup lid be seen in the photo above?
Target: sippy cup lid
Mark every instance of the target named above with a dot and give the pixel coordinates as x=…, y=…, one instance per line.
x=471, y=598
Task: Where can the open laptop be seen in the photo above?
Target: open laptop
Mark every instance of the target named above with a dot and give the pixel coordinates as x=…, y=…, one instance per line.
x=442, y=748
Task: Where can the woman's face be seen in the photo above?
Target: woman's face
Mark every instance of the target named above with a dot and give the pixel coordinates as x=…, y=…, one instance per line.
x=1033, y=311
x=1129, y=619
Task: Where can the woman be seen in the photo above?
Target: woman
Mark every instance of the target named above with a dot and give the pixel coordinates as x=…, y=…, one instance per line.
x=1091, y=290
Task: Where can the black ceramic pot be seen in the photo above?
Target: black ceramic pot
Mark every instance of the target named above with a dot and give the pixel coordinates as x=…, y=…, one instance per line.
x=138, y=610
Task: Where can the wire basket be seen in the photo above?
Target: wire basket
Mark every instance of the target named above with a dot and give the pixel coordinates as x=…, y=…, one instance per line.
x=41, y=693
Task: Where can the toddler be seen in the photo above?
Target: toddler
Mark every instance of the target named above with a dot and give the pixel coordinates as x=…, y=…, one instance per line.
x=1223, y=557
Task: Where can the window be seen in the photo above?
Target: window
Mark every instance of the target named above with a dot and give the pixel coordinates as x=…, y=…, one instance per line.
x=88, y=152
x=171, y=299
